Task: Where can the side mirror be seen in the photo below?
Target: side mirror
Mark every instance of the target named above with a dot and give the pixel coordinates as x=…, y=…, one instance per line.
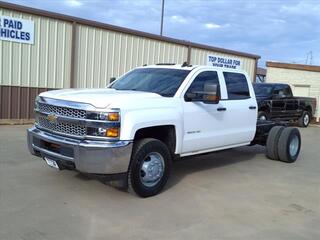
x=112, y=79
x=209, y=95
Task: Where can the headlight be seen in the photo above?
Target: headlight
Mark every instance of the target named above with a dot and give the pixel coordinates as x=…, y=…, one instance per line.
x=104, y=132
x=112, y=125
x=111, y=116
x=105, y=116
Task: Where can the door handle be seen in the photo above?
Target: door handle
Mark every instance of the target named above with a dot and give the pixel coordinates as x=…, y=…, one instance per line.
x=221, y=109
x=252, y=107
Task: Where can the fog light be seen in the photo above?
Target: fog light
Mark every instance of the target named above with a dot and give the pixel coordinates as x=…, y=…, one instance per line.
x=112, y=132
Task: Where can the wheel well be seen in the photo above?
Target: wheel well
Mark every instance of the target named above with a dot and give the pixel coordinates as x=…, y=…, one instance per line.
x=166, y=134
x=263, y=109
x=308, y=109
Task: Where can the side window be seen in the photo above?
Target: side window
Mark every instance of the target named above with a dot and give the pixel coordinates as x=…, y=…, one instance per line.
x=277, y=90
x=282, y=91
x=286, y=91
x=205, y=77
x=237, y=86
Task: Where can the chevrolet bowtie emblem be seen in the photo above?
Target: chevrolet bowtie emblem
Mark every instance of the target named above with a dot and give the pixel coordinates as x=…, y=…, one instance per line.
x=52, y=118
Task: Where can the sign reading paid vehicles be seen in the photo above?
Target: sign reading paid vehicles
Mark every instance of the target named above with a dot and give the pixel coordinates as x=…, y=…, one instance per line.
x=16, y=30
x=224, y=62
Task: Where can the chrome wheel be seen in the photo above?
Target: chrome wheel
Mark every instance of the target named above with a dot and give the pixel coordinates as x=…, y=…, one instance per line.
x=152, y=169
x=263, y=117
x=294, y=146
x=306, y=119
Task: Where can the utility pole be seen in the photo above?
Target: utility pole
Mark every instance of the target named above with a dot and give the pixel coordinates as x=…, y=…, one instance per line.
x=162, y=13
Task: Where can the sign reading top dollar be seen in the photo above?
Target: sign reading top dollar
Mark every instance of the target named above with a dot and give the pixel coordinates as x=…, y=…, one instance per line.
x=16, y=30
x=223, y=62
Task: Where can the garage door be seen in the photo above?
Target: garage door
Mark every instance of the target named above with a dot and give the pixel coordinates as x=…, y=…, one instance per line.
x=302, y=91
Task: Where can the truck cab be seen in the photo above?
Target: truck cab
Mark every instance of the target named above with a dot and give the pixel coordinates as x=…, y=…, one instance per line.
x=210, y=96
x=144, y=120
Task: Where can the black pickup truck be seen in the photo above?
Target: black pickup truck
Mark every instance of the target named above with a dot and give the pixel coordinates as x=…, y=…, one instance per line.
x=276, y=102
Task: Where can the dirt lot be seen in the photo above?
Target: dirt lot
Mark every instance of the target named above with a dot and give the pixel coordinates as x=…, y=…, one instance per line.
x=236, y=194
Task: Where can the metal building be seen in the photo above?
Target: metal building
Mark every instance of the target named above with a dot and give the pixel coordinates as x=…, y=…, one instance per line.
x=69, y=52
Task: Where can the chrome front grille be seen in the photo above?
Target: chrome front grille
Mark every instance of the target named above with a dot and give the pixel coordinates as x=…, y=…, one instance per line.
x=61, y=111
x=81, y=120
x=60, y=127
x=57, y=126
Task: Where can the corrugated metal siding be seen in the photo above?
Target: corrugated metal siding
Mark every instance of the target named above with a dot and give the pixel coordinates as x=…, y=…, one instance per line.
x=18, y=102
x=199, y=57
x=46, y=63
x=102, y=54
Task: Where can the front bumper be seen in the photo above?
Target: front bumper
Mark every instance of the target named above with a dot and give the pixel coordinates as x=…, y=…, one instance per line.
x=97, y=157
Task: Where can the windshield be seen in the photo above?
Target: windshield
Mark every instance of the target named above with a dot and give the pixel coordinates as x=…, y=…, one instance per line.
x=262, y=90
x=156, y=80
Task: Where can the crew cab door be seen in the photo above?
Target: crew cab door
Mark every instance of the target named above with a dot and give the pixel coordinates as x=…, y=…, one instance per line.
x=292, y=104
x=203, y=122
x=278, y=107
x=216, y=126
x=240, y=119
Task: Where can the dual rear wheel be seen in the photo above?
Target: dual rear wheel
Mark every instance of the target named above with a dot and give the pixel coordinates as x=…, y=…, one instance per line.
x=283, y=144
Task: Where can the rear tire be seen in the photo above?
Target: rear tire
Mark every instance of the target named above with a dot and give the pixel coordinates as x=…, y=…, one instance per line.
x=289, y=145
x=272, y=142
x=304, y=120
x=150, y=167
x=262, y=115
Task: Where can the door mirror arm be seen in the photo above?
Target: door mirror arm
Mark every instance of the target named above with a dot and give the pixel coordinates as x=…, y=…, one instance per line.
x=112, y=79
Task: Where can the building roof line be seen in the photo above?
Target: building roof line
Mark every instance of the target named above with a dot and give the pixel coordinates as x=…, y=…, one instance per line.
x=72, y=19
x=294, y=66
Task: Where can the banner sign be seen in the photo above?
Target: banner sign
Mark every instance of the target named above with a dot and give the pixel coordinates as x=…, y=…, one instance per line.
x=16, y=30
x=223, y=62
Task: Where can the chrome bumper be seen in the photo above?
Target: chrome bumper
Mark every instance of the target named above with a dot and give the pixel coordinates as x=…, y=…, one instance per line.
x=98, y=157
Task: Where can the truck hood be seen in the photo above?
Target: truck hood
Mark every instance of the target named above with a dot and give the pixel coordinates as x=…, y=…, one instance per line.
x=99, y=98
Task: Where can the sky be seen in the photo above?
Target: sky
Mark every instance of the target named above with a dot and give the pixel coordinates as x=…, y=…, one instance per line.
x=277, y=30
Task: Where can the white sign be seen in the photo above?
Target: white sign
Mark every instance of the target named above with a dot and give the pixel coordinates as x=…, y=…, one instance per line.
x=16, y=30
x=223, y=62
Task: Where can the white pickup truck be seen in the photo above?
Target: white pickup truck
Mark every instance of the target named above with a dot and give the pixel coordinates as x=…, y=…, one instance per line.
x=136, y=127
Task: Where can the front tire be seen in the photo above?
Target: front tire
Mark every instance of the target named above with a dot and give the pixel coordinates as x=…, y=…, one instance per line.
x=150, y=167
x=305, y=119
